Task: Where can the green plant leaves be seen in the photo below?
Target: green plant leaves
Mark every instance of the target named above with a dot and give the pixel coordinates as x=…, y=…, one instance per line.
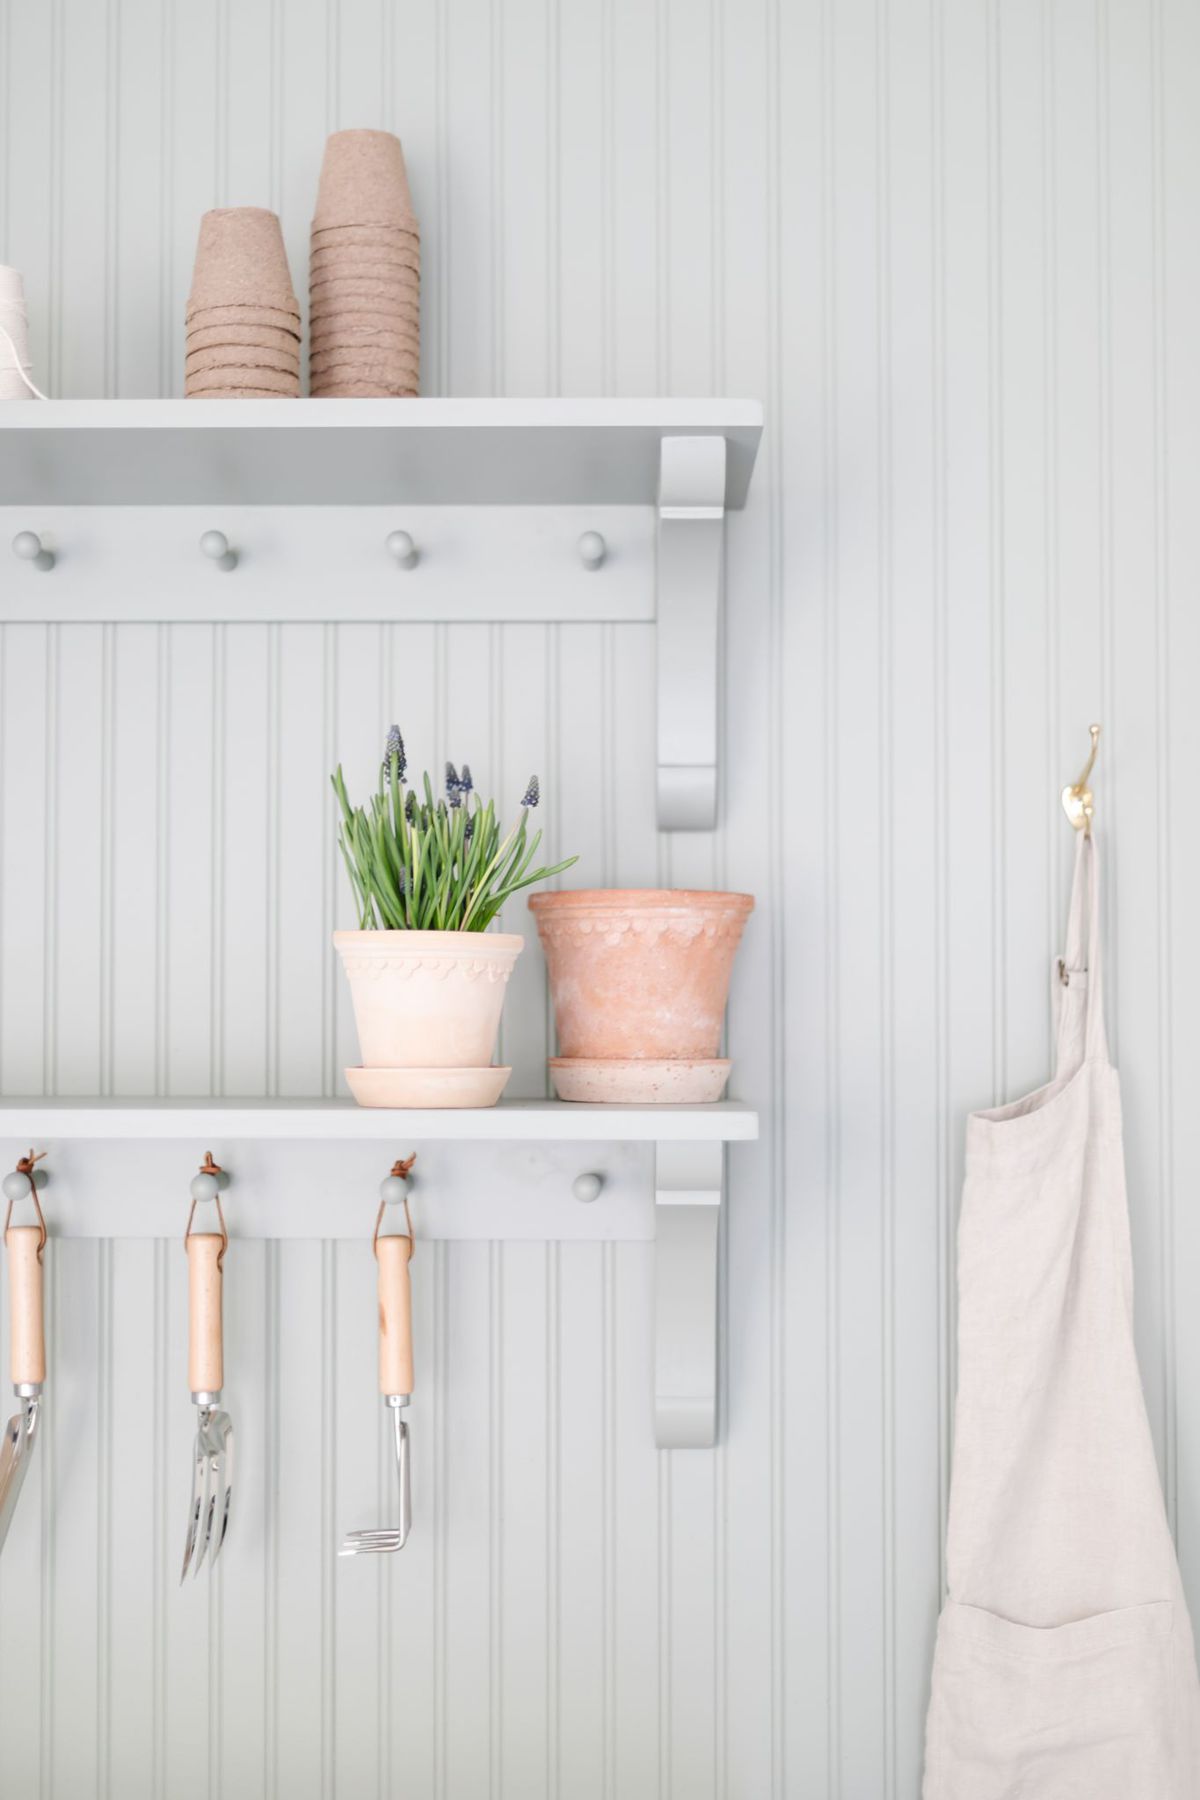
x=427, y=866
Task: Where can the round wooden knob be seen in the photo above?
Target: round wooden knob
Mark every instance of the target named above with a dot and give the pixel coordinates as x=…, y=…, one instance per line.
x=400, y=545
x=28, y=546
x=17, y=1186
x=592, y=550
x=393, y=1189
x=205, y=1187
x=215, y=545
x=587, y=1187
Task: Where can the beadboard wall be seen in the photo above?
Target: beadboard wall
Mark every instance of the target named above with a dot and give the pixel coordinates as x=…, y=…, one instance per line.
x=951, y=244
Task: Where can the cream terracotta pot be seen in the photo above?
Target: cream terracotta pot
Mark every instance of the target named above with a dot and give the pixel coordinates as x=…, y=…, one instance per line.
x=427, y=1007
x=640, y=977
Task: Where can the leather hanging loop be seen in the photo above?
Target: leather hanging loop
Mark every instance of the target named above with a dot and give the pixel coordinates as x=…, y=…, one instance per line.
x=27, y=1166
x=399, y=1168
x=209, y=1167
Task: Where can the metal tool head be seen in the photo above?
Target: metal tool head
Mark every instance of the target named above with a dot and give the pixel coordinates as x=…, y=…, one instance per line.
x=383, y=1539
x=16, y=1454
x=212, y=1489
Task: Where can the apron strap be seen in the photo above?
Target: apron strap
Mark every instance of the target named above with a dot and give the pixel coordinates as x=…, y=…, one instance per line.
x=1078, y=974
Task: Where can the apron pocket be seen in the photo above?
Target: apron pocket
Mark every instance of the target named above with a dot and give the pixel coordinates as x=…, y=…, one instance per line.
x=1072, y=1712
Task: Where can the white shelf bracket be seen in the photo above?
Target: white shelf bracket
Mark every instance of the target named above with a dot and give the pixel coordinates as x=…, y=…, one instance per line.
x=689, y=1181
x=691, y=544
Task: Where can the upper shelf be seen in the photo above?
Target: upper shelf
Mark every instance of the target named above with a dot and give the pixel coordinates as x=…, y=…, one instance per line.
x=514, y=1121
x=359, y=452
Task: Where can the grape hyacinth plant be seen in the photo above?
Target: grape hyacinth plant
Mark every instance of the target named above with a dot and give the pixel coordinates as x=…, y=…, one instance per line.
x=424, y=864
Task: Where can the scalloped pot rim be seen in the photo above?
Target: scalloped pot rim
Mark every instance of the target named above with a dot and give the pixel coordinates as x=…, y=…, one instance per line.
x=636, y=899
x=432, y=943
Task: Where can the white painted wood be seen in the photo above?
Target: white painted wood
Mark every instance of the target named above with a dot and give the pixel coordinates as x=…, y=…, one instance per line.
x=485, y=452
x=689, y=1182
x=513, y=1121
x=949, y=249
x=136, y=562
x=691, y=554
x=326, y=1188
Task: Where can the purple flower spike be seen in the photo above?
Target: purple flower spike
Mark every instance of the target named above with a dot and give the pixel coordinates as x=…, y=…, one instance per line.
x=394, y=747
x=532, y=793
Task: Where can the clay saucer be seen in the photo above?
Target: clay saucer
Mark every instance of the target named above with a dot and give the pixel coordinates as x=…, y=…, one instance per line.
x=427, y=1087
x=634, y=1083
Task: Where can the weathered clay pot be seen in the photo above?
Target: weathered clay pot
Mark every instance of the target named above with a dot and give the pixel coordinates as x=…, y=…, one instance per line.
x=428, y=1000
x=640, y=973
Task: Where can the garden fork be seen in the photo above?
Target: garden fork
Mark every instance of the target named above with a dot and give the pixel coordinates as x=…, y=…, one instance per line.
x=212, y=1457
x=393, y=1252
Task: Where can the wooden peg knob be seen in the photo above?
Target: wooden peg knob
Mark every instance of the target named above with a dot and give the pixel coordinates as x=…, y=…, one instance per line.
x=592, y=550
x=400, y=545
x=215, y=545
x=28, y=546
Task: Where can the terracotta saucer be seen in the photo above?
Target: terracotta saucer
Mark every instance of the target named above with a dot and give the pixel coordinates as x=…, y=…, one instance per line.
x=630, y=1083
x=427, y=1087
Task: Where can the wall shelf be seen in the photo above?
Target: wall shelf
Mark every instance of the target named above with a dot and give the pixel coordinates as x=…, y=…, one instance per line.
x=311, y=1169
x=512, y=510
x=360, y=452
x=197, y=1121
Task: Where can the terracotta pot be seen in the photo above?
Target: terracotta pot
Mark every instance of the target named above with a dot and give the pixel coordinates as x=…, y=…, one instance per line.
x=640, y=974
x=427, y=999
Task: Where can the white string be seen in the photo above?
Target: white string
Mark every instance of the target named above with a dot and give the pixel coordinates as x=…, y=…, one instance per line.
x=18, y=365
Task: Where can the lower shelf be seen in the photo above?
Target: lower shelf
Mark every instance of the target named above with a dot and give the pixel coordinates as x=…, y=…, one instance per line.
x=311, y=1169
x=239, y=1120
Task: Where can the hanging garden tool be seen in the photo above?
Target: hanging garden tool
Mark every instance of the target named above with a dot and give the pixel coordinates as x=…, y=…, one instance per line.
x=24, y=1244
x=393, y=1253
x=212, y=1459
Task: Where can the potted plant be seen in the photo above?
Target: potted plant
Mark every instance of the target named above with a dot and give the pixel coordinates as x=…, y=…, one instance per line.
x=427, y=977
x=640, y=977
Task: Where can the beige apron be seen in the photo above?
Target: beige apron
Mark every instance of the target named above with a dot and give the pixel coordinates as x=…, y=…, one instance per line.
x=1064, y=1667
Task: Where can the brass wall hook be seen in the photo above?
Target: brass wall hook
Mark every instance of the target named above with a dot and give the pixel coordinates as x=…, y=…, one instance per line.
x=1078, y=801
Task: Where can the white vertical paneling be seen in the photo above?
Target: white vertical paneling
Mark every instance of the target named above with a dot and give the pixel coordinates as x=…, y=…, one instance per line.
x=950, y=249
x=25, y=674
x=71, y=1694
x=245, y=857
x=129, y=1055
x=529, y=1474
x=1135, y=634
x=524, y=350
x=193, y=782
x=472, y=1675
x=910, y=785
x=301, y=798
x=1177, y=375
x=85, y=208
x=582, y=1498
x=636, y=1719
x=527, y=677
x=299, y=1610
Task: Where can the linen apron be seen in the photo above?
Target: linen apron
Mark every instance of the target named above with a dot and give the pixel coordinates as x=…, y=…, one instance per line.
x=1064, y=1667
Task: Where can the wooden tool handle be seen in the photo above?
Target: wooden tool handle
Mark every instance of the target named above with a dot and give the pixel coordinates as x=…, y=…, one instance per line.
x=206, y=1372
x=28, y=1347
x=395, y=1316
